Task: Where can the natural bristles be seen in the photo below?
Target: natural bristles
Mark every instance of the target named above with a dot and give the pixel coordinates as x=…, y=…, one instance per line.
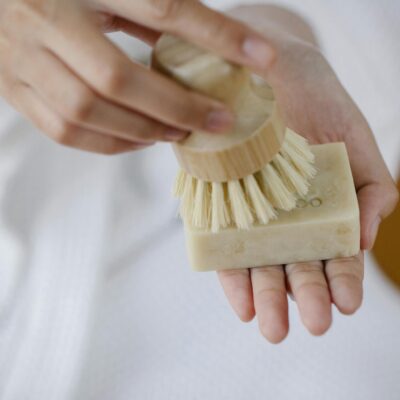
x=296, y=150
x=289, y=175
x=254, y=199
x=220, y=217
x=276, y=191
x=201, y=205
x=260, y=205
x=240, y=209
x=179, y=185
x=187, y=197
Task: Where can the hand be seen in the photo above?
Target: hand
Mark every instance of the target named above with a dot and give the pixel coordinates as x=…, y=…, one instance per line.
x=58, y=68
x=315, y=105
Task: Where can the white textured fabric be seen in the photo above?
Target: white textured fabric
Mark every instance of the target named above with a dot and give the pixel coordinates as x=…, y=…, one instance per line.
x=96, y=297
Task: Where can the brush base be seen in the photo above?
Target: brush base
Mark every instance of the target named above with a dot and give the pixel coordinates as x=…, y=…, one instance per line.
x=324, y=225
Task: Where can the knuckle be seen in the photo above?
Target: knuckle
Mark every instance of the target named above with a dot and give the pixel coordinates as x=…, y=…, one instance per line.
x=304, y=268
x=22, y=12
x=166, y=10
x=355, y=277
x=271, y=270
x=270, y=292
x=81, y=106
x=305, y=285
x=112, y=77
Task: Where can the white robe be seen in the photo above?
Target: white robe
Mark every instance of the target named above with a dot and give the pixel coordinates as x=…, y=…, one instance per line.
x=96, y=297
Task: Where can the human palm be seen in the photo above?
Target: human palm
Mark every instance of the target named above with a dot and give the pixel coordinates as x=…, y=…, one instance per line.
x=316, y=105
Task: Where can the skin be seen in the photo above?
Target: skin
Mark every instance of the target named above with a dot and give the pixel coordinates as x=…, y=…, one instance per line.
x=58, y=69
x=301, y=72
x=50, y=70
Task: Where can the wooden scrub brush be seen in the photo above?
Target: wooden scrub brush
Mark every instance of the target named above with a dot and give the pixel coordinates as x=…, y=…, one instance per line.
x=241, y=177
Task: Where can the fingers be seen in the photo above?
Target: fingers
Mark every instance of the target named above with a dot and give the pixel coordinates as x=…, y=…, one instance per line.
x=207, y=28
x=116, y=78
x=236, y=284
x=345, y=278
x=313, y=288
x=376, y=201
x=310, y=290
x=80, y=105
x=111, y=23
x=261, y=291
x=270, y=300
x=26, y=101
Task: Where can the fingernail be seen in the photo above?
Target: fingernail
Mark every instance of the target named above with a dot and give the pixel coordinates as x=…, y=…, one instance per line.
x=373, y=232
x=219, y=120
x=261, y=53
x=175, y=134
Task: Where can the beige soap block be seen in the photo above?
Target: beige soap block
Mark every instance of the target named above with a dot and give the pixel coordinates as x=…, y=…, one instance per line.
x=324, y=225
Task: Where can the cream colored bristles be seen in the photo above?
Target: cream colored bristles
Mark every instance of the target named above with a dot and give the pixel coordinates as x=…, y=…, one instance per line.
x=179, y=186
x=187, y=199
x=220, y=217
x=299, y=145
x=275, y=190
x=296, y=150
x=201, y=205
x=261, y=206
x=254, y=199
x=291, y=178
x=239, y=206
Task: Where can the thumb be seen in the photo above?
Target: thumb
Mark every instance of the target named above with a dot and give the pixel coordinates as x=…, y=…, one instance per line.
x=376, y=202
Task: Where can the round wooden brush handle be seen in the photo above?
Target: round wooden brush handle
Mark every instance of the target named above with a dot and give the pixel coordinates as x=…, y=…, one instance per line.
x=258, y=131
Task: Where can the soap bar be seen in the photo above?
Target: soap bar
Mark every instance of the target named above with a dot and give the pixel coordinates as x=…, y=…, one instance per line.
x=324, y=225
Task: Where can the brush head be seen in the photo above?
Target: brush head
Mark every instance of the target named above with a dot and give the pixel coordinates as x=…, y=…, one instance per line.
x=241, y=177
x=252, y=200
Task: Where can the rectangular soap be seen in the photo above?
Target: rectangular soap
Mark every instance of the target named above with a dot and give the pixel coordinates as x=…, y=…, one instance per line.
x=324, y=225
